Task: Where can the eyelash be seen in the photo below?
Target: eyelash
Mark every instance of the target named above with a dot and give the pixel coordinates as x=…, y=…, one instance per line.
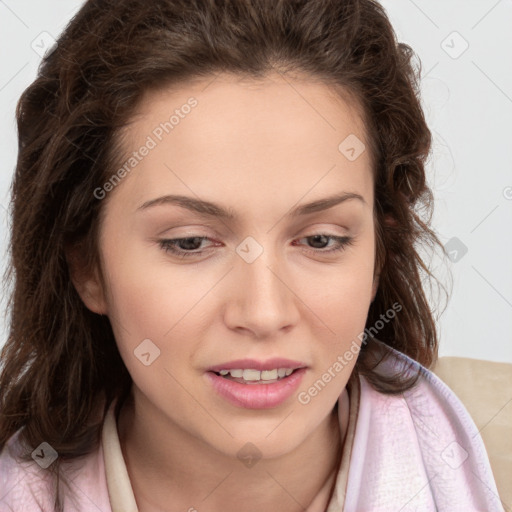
x=169, y=245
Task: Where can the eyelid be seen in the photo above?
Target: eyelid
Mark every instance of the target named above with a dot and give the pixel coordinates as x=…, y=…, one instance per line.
x=190, y=231
x=193, y=230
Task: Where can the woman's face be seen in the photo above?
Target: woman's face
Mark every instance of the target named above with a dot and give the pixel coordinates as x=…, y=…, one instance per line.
x=268, y=278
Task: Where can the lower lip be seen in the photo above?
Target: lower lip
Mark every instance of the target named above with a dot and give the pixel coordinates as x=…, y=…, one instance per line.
x=256, y=396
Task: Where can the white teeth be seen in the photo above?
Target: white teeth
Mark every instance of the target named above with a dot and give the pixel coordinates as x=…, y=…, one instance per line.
x=252, y=375
x=269, y=375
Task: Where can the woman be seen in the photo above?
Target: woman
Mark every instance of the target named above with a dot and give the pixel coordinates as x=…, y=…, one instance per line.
x=217, y=299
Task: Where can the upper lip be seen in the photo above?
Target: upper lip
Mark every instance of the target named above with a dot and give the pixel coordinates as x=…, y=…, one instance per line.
x=254, y=364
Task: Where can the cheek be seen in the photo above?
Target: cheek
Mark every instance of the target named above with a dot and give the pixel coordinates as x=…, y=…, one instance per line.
x=341, y=294
x=138, y=302
x=141, y=291
x=341, y=301
x=148, y=299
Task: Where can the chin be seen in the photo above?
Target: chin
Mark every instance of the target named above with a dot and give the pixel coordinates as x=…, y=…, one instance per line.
x=267, y=441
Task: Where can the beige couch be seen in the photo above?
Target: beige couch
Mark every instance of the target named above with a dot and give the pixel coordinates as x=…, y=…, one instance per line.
x=485, y=388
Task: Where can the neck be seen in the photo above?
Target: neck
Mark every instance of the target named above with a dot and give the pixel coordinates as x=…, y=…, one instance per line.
x=167, y=465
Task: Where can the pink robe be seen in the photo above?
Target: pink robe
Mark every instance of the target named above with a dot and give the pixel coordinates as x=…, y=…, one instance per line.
x=419, y=451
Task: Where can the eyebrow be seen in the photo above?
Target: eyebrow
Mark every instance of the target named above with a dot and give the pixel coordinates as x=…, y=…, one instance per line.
x=209, y=209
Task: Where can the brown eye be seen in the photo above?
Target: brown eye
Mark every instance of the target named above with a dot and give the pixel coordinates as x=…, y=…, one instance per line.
x=183, y=247
x=318, y=242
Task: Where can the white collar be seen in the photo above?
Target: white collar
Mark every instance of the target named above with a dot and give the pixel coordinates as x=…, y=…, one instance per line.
x=120, y=489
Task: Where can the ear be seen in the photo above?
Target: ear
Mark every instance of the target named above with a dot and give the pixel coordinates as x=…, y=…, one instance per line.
x=86, y=280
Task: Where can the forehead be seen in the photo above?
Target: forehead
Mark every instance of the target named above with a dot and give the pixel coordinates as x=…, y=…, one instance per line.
x=244, y=135
x=270, y=105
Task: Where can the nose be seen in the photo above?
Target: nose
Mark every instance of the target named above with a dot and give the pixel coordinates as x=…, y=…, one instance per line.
x=261, y=300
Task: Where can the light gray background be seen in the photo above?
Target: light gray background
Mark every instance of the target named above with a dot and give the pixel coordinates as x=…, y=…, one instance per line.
x=467, y=96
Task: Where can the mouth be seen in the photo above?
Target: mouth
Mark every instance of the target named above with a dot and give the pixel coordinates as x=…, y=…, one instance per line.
x=252, y=384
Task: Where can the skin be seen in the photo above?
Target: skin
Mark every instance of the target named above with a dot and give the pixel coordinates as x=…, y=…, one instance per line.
x=259, y=149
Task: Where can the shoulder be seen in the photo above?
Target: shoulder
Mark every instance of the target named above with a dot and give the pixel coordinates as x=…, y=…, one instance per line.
x=429, y=399
x=431, y=411
x=31, y=485
x=24, y=484
x=426, y=436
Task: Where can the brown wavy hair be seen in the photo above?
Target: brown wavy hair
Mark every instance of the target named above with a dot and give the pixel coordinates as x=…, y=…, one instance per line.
x=60, y=365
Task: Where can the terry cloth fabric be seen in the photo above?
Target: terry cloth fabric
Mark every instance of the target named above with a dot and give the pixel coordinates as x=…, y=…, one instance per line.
x=418, y=451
